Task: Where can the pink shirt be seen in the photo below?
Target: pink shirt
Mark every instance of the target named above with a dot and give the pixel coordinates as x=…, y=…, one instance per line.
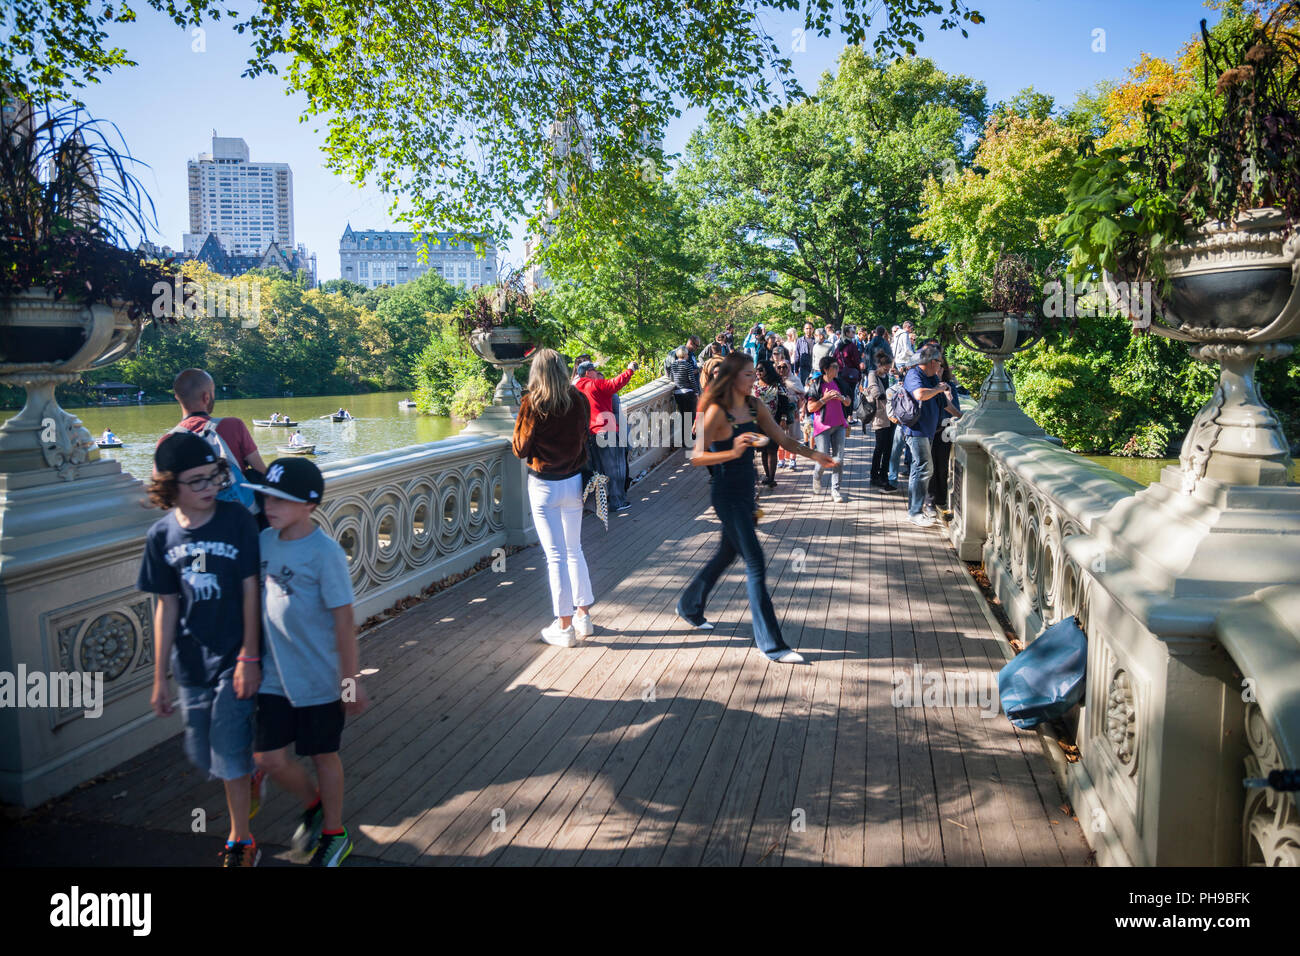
x=832, y=413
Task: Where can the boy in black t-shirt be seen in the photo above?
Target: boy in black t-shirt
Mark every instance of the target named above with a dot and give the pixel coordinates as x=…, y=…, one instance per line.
x=201, y=559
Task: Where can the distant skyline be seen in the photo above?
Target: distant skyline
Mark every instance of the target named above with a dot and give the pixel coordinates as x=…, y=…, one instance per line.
x=188, y=85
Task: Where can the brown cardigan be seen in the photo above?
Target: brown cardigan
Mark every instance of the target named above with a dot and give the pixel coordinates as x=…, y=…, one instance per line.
x=554, y=448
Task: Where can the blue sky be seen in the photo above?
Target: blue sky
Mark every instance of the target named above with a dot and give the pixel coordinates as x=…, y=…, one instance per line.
x=168, y=106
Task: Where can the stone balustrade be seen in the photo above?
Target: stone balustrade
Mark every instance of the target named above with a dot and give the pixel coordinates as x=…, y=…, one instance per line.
x=1190, y=688
x=406, y=518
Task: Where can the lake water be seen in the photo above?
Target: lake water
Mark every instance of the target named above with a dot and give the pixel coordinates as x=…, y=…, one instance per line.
x=380, y=425
x=1147, y=470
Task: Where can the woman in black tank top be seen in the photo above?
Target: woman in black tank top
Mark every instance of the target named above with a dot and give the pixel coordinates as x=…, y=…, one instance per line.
x=732, y=422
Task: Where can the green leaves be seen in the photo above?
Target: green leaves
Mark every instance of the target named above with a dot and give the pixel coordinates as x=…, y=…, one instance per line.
x=450, y=106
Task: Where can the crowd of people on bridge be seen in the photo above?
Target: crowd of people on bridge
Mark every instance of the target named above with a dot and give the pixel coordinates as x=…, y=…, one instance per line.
x=787, y=396
x=254, y=616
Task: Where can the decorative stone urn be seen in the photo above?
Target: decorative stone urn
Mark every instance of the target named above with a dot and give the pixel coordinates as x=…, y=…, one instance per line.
x=507, y=348
x=1235, y=294
x=46, y=342
x=1170, y=568
x=72, y=529
x=999, y=335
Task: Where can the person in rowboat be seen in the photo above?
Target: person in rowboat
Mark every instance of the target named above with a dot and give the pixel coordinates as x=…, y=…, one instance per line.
x=297, y=440
x=108, y=438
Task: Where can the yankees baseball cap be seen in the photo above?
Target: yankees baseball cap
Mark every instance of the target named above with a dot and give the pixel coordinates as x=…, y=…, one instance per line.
x=181, y=451
x=293, y=479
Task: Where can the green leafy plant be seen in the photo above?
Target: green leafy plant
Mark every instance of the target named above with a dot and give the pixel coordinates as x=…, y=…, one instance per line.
x=1014, y=286
x=470, y=398
x=67, y=204
x=1227, y=146
x=508, y=304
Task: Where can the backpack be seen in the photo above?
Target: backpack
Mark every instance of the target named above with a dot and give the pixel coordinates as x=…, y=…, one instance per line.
x=903, y=408
x=236, y=491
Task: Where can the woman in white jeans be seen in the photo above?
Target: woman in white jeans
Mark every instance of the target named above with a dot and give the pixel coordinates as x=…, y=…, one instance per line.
x=551, y=437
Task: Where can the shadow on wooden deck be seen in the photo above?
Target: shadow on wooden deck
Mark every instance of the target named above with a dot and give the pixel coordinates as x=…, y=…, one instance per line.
x=653, y=743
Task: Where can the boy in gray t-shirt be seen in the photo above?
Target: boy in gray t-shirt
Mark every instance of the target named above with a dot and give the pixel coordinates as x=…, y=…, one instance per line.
x=310, y=659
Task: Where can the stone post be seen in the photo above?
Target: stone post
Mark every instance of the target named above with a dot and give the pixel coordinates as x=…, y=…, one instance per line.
x=506, y=349
x=998, y=335
x=71, y=531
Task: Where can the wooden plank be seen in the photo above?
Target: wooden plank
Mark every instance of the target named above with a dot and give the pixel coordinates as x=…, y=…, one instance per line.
x=471, y=838
x=958, y=824
x=922, y=837
x=805, y=839
x=883, y=837
x=726, y=788
x=846, y=821
x=741, y=805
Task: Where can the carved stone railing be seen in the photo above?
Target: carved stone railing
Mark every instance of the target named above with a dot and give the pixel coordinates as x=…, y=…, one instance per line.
x=1037, y=496
x=653, y=427
x=1192, y=684
x=413, y=515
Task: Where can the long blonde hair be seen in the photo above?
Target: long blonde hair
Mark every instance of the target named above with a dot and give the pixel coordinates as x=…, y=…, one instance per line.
x=549, y=389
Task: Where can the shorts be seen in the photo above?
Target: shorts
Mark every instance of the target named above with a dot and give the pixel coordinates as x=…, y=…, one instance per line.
x=312, y=730
x=218, y=728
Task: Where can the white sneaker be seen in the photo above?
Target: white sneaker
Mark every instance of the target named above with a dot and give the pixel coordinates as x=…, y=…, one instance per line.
x=928, y=511
x=582, y=625
x=789, y=657
x=560, y=636
x=837, y=497
x=921, y=520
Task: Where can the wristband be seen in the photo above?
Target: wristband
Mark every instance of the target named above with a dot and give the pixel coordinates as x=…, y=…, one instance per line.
x=249, y=660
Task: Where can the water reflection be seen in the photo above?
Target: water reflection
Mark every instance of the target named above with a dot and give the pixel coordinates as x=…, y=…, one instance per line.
x=1147, y=470
x=379, y=425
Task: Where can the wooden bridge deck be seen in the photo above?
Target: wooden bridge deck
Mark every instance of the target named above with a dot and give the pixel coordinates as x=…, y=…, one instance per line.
x=656, y=744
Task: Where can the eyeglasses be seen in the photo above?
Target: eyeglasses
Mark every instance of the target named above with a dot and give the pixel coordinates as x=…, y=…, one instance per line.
x=220, y=477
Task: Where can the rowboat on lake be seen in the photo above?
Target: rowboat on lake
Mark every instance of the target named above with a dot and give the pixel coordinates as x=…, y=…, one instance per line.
x=296, y=449
x=267, y=423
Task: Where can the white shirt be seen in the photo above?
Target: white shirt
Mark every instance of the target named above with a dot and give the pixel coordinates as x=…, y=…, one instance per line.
x=902, y=347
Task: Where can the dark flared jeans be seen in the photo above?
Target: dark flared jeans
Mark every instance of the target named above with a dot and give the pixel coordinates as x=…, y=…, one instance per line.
x=941, y=451
x=610, y=460
x=735, y=508
x=880, y=454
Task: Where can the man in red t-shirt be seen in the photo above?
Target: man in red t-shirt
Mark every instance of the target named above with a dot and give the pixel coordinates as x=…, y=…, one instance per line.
x=605, y=455
x=196, y=393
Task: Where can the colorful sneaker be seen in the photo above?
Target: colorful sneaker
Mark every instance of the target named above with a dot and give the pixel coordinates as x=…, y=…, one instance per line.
x=258, y=789
x=241, y=854
x=332, y=849
x=308, y=833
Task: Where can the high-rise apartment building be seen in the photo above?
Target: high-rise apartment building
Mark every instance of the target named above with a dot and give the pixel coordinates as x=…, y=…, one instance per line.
x=374, y=257
x=246, y=205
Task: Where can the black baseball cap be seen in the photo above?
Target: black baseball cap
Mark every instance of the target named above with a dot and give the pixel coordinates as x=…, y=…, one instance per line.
x=181, y=451
x=293, y=479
